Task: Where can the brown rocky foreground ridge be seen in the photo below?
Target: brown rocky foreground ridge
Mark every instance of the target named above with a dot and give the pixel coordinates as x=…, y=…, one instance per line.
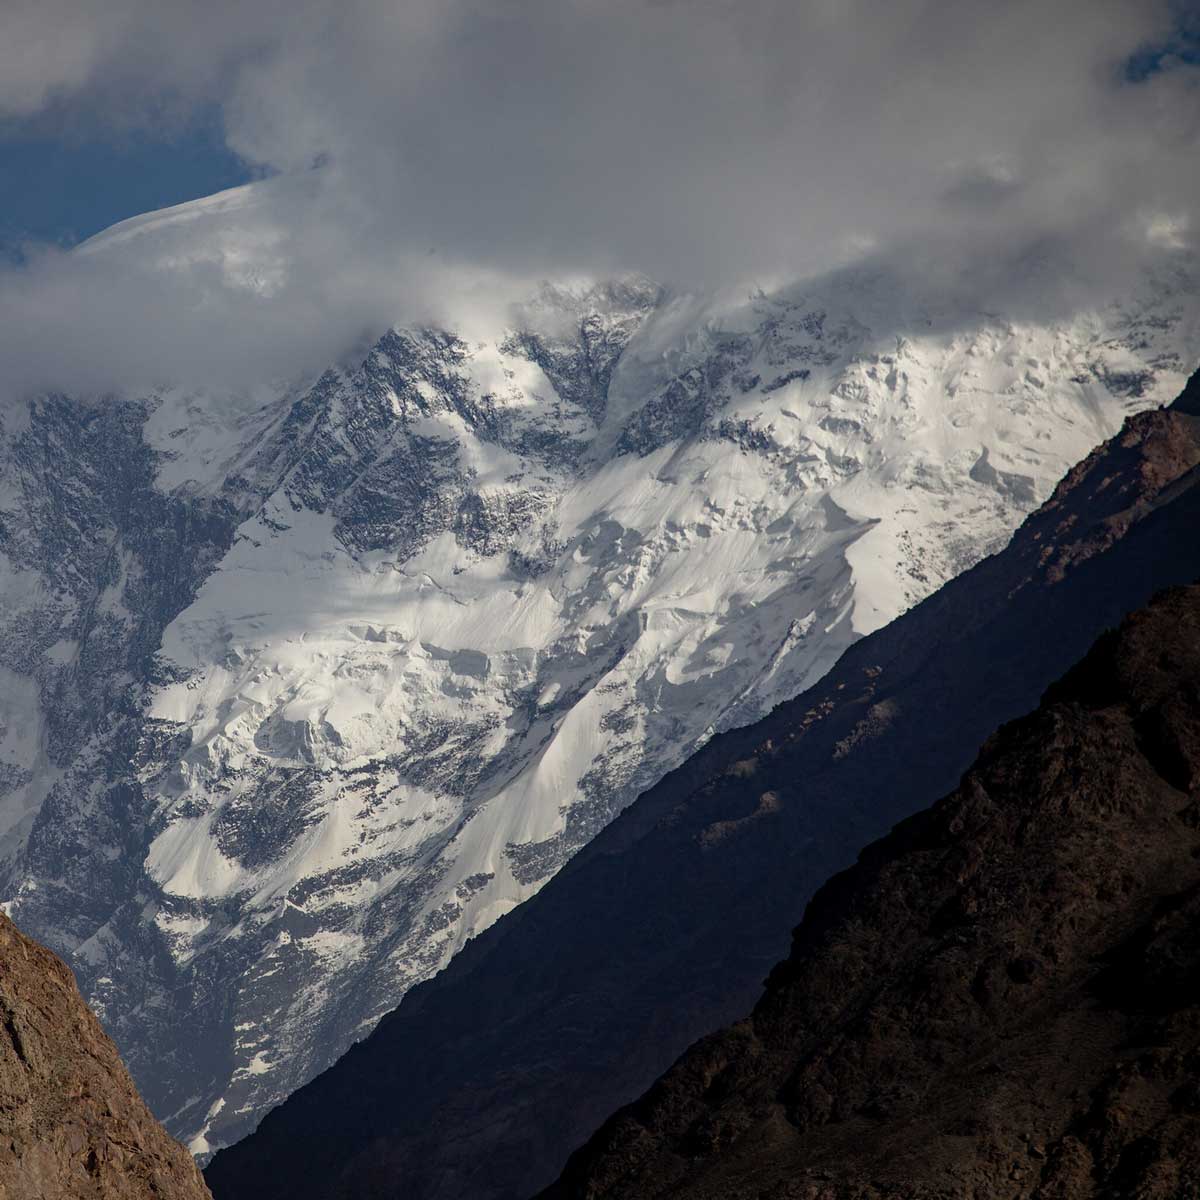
x=1000, y=1000
x=72, y=1125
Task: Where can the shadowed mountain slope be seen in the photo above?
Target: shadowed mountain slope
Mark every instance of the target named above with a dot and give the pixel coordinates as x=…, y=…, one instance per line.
x=1001, y=1000
x=663, y=927
x=72, y=1125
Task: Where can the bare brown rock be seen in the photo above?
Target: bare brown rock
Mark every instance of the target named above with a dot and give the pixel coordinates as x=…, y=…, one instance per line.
x=1000, y=1000
x=72, y=1125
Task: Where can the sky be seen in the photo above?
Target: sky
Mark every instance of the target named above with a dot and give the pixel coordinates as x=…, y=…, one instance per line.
x=423, y=158
x=60, y=188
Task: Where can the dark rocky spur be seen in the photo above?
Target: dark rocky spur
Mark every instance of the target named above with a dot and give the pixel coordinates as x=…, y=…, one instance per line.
x=1000, y=1000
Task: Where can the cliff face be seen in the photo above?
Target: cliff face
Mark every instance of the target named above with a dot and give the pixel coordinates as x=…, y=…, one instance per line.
x=1002, y=999
x=72, y=1125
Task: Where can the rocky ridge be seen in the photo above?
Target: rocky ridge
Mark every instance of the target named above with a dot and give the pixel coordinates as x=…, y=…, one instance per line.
x=1002, y=999
x=72, y=1126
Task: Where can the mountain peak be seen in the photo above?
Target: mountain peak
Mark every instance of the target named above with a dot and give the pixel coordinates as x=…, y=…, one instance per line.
x=594, y=985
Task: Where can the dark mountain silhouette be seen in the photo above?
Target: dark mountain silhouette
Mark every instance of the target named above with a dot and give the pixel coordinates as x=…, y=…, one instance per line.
x=1001, y=1000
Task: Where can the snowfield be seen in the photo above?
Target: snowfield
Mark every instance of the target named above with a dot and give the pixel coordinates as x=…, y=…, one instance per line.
x=322, y=680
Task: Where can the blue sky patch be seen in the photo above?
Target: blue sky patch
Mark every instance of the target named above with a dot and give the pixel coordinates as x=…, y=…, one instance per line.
x=1182, y=46
x=63, y=189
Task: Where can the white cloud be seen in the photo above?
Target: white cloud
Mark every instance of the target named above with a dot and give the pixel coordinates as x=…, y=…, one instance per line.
x=694, y=140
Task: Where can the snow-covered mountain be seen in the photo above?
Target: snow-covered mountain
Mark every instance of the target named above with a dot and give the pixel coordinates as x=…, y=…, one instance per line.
x=304, y=687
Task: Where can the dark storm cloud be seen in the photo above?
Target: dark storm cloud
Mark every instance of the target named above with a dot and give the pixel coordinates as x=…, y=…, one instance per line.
x=698, y=141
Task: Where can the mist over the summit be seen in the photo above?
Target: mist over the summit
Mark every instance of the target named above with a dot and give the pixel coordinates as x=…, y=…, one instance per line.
x=445, y=156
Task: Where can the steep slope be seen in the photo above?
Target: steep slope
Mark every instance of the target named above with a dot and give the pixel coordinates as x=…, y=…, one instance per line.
x=1002, y=999
x=661, y=929
x=307, y=686
x=72, y=1126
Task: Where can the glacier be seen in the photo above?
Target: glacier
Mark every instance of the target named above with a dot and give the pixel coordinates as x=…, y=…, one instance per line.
x=308, y=683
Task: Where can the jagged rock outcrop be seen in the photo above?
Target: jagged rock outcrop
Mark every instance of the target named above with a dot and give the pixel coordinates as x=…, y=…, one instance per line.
x=72, y=1125
x=1001, y=1000
x=484, y=1080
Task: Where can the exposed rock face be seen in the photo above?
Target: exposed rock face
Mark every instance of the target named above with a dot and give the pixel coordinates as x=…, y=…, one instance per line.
x=72, y=1125
x=1001, y=1000
x=662, y=929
